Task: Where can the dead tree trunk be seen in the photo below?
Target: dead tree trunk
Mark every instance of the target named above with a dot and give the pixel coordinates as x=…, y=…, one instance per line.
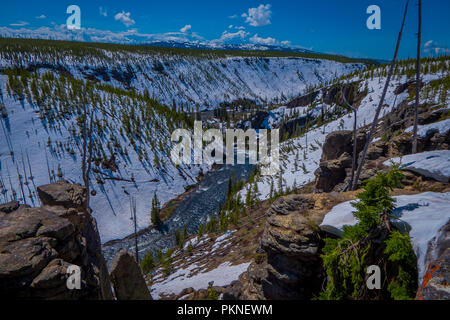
x=133, y=217
x=380, y=105
x=416, y=106
x=86, y=159
x=355, y=133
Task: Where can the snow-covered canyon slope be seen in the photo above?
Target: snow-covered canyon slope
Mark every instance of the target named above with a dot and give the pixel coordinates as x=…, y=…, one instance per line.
x=425, y=213
x=44, y=88
x=182, y=78
x=300, y=155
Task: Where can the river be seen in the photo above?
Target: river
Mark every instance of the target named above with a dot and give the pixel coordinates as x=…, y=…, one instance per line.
x=193, y=210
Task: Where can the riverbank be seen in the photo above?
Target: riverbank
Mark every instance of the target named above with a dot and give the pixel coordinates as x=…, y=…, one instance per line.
x=191, y=209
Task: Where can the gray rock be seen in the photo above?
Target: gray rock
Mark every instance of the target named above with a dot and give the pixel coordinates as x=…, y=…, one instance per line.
x=127, y=278
x=62, y=193
x=435, y=284
x=9, y=207
x=38, y=244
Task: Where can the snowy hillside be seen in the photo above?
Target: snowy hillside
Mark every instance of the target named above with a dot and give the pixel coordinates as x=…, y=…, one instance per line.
x=46, y=85
x=183, y=80
x=425, y=213
x=300, y=156
x=41, y=142
x=432, y=164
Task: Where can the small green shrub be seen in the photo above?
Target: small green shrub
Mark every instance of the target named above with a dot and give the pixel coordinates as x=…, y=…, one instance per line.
x=212, y=293
x=148, y=263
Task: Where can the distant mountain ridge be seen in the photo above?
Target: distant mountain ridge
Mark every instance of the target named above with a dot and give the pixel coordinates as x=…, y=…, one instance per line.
x=178, y=77
x=132, y=37
x=221, y=46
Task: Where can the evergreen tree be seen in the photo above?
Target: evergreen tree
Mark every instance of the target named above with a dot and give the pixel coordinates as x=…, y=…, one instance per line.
x=155, y=213
x=373, y=240
x=248, y=196
x=271, y=194
x=148, y=263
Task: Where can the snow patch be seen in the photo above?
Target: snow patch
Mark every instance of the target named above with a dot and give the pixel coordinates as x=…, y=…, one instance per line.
x=426, y=213
x=181, y=279
x=431, y=164
x=441, y=127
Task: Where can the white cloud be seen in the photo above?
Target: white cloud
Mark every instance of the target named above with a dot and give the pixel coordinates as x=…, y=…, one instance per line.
x=259, y=16
x=125, y=18
x=240, y=28
x=103, y=12
x=267, y=41
x=131, y=36
x=234, y=16
x=286, y=43
x=42, y=16
x=186, y=28
x=226, y=36
x=19, y=24
x=236, y=27
x=433, y=47
x=428, y=43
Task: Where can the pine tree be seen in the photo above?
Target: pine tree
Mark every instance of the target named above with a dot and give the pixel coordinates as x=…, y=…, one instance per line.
x=248, y=197
x=155, y=213
x=373, y=240
x=280, y=182
x=148, y=263
x=271, y=195
x=255, y=189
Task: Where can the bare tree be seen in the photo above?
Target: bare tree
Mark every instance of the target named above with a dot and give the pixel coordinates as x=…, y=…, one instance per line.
x=380, y=105
x=416, y=106
x=355, y=131
x=86, y=159
x=133, y=217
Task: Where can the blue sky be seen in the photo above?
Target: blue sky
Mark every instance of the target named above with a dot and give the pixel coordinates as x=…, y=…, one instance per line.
x=328, y=26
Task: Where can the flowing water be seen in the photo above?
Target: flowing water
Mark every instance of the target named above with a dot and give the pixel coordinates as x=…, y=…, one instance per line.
x=194, y=209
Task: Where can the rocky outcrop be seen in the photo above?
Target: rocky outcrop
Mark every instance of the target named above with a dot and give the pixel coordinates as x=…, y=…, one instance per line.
x=9, y=207
x=334, y=170
x=332, y=94
x=435, y=284
x=402, y=117
x=336, y=143
x=38, y=244
x=291, y=266
x=336, y=162
x=302, y=100
x=291, y=126
x=127, y=278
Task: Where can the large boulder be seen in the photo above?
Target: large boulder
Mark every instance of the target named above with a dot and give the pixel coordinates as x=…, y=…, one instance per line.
x=127, y=278
x=435, y=284
x=62, y=193
x=336, y=162
x=9, y=207
x=400, y=145
x=38, y=244
x=336, y=143
x=330, y=174
x=291, y=246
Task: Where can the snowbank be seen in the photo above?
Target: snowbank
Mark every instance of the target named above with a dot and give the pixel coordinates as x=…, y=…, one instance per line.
x=431, y=164
x=441, y=127
x=223, y=275
x=425, y=213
